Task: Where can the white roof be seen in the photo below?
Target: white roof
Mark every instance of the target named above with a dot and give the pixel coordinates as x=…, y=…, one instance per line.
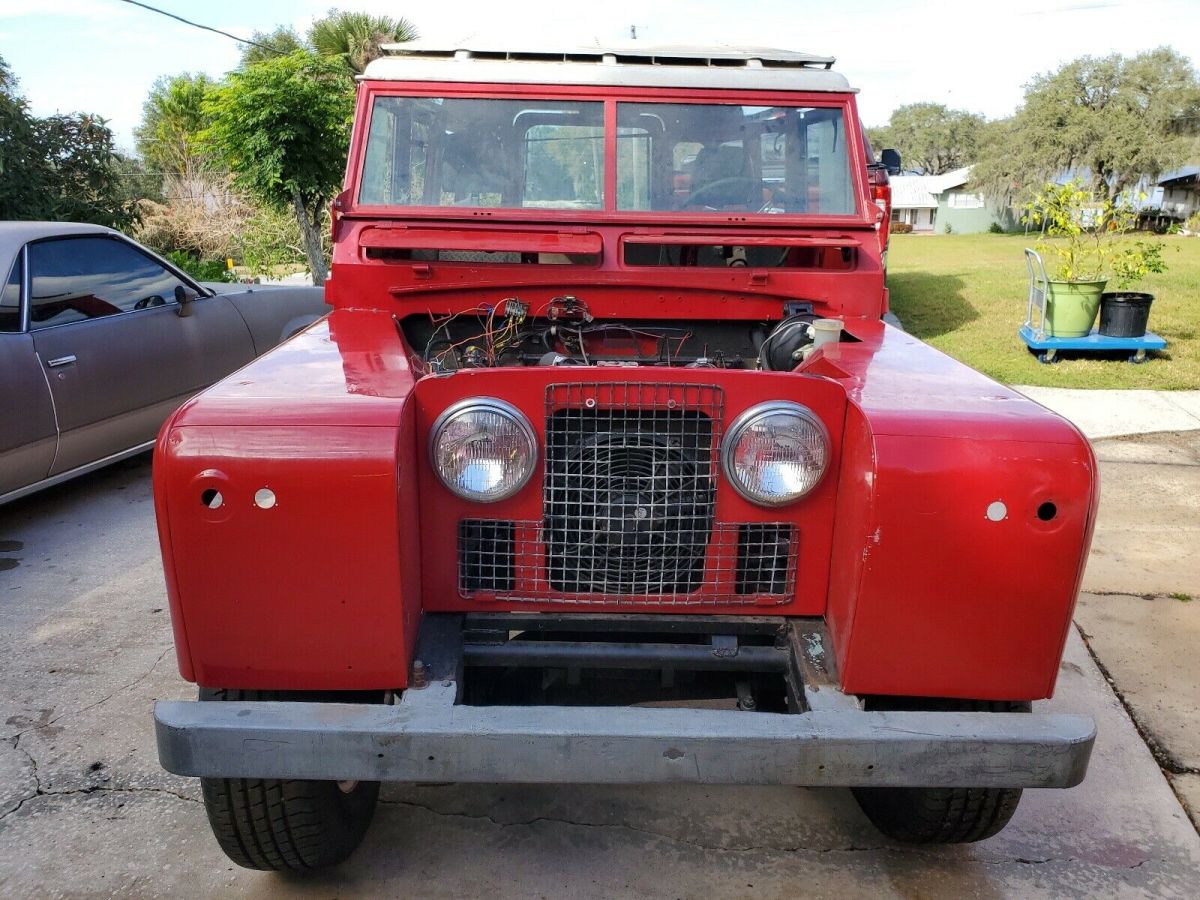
x=921, y=191
x=912, y=192
x=633, y=64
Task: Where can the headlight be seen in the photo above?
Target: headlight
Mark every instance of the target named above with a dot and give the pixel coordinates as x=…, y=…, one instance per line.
x=775, y=453
x=483, y=449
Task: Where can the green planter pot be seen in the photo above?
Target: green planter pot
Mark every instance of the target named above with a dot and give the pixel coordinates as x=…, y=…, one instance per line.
x=1071, y=307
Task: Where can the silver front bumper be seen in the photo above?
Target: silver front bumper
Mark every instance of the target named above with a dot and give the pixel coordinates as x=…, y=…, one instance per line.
x=427, y=737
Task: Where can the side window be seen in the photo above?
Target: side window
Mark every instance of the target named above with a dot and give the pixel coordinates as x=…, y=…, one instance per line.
x=10, y=300
x=72, y=279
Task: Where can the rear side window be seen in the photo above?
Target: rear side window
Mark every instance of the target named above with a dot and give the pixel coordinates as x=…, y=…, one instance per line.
x=73, y=279
x=10, y=300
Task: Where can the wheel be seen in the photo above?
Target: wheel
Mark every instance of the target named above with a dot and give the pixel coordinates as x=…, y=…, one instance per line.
x=1138, y=358
x=286, y=825
x=947, y=815
x=1048, y=357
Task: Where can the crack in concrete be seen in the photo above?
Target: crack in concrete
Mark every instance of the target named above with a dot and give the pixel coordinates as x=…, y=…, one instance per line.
x=100, y=702
x=913, y=851
x=95, y=789
x=1165, y=759
x=1162, y=756
x=624, y=826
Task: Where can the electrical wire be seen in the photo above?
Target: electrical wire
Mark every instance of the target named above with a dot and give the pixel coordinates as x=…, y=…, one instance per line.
x=234, y=37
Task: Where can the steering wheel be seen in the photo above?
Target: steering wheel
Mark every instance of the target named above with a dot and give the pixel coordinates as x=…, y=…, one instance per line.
x=736, y=189
x=152, y=300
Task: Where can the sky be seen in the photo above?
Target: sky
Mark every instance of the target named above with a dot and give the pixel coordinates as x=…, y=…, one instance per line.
x=102, y=56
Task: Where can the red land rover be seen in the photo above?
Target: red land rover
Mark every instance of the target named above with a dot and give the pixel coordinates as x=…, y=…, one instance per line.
x=605, y=469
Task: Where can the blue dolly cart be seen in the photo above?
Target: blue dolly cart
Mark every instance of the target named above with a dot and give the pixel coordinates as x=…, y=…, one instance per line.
x=1033, y=332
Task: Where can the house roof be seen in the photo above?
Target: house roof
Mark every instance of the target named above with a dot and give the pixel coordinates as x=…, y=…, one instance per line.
x=913, y=192
x=1179, y=174
x=921, y=191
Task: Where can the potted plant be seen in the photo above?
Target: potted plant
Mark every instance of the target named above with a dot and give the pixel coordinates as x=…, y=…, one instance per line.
x=1126, y=313
x=1082, y=238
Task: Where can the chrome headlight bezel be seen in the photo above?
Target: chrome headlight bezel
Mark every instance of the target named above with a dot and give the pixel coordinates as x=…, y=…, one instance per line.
x=483, y=404
x=753, y=415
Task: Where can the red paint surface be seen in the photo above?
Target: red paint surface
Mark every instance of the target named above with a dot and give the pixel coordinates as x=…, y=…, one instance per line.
x=923, y=594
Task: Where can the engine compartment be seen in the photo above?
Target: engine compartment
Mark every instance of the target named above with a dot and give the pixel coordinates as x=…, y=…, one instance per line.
x=563, y=332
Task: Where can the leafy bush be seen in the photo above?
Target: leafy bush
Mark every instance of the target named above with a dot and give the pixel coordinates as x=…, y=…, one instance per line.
x=900, y=228
x=1193, y=223
x=1088, y=232
x=200, y=269
x=995, y=228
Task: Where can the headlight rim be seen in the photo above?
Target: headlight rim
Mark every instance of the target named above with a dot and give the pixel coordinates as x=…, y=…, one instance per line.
x=489, y=404
x=746, y=418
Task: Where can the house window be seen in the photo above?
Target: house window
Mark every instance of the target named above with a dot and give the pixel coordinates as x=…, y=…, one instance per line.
x=965, y=201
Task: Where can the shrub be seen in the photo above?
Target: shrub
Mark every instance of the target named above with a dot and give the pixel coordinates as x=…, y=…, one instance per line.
x=949, y=229
x=200, y=269
x=995, y=228
x=900, y=228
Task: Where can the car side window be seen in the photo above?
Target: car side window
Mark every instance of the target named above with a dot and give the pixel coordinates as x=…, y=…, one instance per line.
x=73, y=279
x=10, y=300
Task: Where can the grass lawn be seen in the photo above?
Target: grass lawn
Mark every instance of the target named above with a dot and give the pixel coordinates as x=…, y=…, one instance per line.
x=966, y=295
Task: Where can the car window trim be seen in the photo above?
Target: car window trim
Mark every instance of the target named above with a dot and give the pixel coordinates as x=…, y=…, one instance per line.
x=27, y=279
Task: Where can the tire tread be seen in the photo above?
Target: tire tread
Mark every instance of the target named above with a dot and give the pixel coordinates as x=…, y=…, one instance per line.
x=284, y=824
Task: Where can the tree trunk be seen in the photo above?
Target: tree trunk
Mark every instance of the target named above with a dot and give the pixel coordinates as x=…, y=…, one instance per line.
x=310, y=231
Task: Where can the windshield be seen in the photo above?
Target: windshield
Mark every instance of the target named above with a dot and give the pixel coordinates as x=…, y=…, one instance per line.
x=432, y=151
x=691, y=158
x=708, y=157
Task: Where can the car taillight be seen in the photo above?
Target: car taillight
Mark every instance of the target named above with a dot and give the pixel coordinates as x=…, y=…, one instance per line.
x=882, y=195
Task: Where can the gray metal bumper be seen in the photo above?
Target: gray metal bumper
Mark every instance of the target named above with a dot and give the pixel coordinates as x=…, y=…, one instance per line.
x=426, y=737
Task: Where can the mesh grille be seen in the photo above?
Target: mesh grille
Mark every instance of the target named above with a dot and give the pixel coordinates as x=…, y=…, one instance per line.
x=629, y=487
x=732, y=573
x=628, y=508
x=485, y=556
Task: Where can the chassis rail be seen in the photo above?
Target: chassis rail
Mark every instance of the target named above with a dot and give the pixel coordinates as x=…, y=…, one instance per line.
x=825, y=740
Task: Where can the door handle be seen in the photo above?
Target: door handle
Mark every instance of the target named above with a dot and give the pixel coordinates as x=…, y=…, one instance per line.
x=60, y=361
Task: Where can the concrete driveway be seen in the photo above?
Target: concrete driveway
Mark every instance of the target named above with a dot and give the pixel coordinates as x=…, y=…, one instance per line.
x=85, y=649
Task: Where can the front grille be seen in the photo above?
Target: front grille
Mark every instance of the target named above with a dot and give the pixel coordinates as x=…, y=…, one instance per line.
x=628, y=507
x=629, y=489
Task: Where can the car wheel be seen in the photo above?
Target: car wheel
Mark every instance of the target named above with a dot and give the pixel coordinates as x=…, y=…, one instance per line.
x=286, y=824
x=950, y=815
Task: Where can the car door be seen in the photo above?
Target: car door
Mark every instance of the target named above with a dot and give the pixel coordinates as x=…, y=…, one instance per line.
x=118, y=355
x=28, y=435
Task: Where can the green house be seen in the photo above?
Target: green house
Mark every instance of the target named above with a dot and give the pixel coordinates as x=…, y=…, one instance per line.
x=946, y=204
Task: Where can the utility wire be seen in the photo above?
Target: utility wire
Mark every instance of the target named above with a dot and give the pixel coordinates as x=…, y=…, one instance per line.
x=170, y=15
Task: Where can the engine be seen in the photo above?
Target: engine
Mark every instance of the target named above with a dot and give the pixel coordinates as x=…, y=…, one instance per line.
x=565, y=333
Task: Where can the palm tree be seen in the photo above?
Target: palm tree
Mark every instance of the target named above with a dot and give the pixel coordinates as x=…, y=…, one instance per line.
x=357, y=37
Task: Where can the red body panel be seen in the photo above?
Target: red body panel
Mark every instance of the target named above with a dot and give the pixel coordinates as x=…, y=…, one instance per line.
x=924, y=594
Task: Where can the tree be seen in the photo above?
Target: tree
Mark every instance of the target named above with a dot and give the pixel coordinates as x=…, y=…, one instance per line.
x=358, y=37
x=281, y=127
x=63, y=167
x=930, y=137
x=268, y=45
x=173, y=117
x=1112, y=119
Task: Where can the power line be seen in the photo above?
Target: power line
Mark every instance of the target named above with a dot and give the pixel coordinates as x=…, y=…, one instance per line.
x=234, y=37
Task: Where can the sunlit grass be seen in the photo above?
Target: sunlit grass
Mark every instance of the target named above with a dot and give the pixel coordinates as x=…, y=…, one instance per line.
x=966, y=295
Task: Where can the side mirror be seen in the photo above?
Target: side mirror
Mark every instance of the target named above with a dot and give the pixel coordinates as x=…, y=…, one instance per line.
x=891, y=161
x=185, y=296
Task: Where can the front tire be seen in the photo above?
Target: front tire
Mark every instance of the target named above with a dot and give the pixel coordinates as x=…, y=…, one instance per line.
x=940, y=815
x=286, y=824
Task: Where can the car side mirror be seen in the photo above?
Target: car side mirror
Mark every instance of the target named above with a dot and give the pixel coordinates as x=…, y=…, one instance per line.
x=891, y=161
x=185, y=296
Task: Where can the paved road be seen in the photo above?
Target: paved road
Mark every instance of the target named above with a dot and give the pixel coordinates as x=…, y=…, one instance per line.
x=85, y=649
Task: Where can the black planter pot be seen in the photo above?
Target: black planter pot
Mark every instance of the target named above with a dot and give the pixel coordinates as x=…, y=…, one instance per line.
x=1124, y=313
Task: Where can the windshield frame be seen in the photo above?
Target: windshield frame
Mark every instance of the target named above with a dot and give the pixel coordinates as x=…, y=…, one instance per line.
x=370, y=91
